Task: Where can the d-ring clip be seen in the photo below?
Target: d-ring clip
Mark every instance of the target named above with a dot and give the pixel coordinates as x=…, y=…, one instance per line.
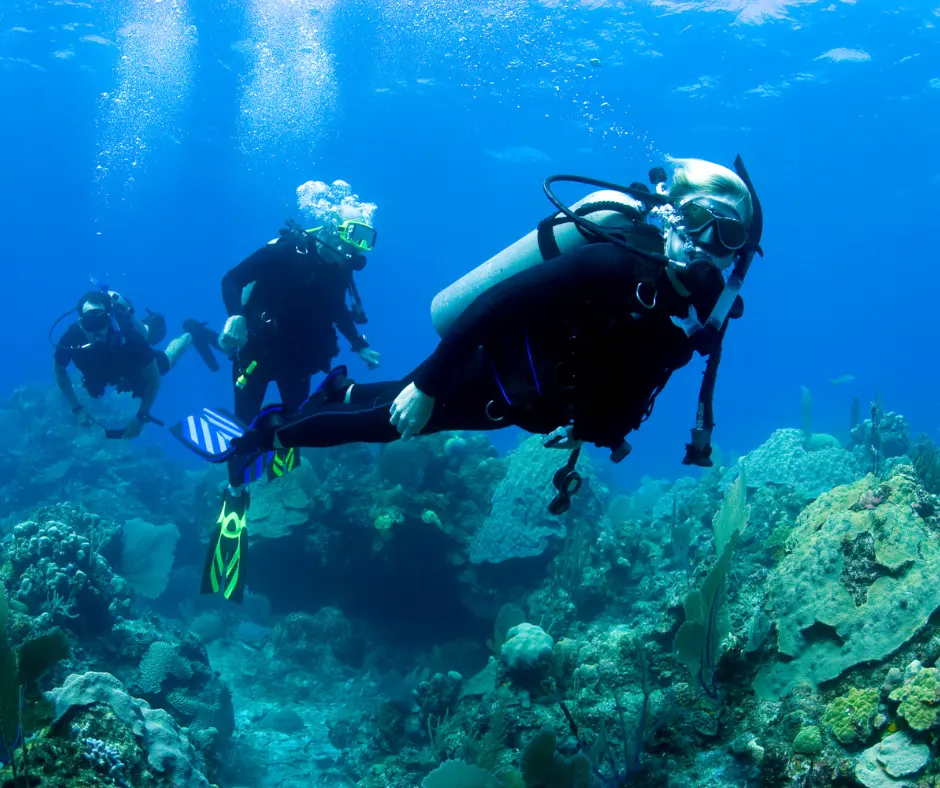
x=489, y=415
x=651, y=304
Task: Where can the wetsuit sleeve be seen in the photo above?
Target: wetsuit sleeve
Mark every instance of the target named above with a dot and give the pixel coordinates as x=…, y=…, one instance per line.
x=249, y=270
x=587, y=270
x=347, y=327
x=63, y=355
x=343, y=319
x=63, y=349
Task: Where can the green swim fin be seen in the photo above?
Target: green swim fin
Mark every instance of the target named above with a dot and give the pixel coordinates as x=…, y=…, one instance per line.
x=283, y=462
x=225, y=562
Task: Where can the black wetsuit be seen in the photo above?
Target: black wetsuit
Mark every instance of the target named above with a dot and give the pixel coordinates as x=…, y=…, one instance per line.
x=586, y=339
x=296, y=301
x=109, y=363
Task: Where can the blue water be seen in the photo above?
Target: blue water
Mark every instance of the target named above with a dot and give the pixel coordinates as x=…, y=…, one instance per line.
x=448, y=116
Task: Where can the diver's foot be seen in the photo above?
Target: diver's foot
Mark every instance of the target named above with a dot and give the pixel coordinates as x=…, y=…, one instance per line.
x=155, y=324
x=333, y=388
x=258, y=438
x=236, y=499
x=204, y=340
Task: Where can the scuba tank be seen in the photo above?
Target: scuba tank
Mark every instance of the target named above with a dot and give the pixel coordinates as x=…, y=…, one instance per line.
x=615, y=211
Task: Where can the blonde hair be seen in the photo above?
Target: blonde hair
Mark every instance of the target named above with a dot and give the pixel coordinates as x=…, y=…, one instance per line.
x=700, y=178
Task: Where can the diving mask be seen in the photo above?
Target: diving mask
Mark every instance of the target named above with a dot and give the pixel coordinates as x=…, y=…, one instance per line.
x=95, y=321
x=357, y=234
x=702, y=213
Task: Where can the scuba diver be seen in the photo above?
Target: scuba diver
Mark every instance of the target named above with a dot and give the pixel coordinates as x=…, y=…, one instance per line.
x=285, y=303
x=112, y=346
x=572, y=331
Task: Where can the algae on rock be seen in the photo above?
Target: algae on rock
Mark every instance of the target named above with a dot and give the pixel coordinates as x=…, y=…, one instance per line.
x=858, y=582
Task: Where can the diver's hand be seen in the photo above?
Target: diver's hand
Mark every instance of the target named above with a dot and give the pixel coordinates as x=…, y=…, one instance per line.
x=411, y=411
x=562, y=438
x=234, y=335
x=134, y=427
x=371, y=357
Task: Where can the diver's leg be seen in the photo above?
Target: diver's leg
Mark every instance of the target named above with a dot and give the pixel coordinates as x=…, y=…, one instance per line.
x=365, y=415
x=365, y=420
x=177, y=347
x=248, y=401
x=294, y=390
x=224, y=567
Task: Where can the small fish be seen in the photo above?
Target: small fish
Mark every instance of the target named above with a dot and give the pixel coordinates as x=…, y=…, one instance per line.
x=842, y=380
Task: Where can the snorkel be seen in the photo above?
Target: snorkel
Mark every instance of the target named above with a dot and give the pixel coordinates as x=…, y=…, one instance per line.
x=743, y=257
x=660, y=205
x=707, y=336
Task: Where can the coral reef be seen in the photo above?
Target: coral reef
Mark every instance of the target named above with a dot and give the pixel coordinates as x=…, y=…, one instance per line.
x=857, y=584
x=56, y=562
x=416, y=617
x=784, y=460
x=519, y=524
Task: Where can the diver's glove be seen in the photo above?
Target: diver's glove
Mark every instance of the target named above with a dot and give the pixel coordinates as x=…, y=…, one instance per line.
x=371, y=357
x=234, y=335
x=562, y=438
x=411, y=411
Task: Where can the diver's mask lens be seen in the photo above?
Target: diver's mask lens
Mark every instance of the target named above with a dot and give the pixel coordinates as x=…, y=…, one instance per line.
x=697, y=217
x=95, y=321
x=357, y=234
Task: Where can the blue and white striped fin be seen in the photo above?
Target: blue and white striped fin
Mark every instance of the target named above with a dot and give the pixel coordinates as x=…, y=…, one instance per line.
x=209, y=433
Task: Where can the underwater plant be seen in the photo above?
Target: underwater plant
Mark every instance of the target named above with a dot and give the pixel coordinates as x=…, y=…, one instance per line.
x=19, y=672
x=926, y=459
x=698, y=641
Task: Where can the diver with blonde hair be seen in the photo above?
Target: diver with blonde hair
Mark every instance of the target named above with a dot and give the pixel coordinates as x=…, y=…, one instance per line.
x=572, y=331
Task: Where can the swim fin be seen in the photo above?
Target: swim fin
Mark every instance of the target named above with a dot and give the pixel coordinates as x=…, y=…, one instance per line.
x=331, y=390
x=204, y=340
x=281, y=462
x=228, y=550
x=156, y=327
x=209, y=433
